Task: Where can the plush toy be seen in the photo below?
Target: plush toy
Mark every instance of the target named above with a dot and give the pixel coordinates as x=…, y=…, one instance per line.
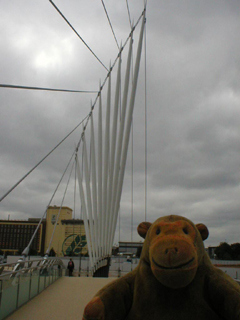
x=173, y=280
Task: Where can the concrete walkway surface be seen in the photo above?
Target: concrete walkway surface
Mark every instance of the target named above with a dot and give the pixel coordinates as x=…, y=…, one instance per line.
x=63, y=300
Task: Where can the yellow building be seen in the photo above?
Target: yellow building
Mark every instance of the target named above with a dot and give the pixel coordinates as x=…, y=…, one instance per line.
x=69, y=237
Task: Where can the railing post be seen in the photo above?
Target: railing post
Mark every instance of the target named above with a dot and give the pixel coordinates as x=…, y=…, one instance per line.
x=24, y=283
x=18, y=289
x=1, y=289
x=44, y=279
x=30, y=284
x=38, y=280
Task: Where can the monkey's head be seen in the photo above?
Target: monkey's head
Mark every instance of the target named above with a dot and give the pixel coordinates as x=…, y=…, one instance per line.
x=173, y=248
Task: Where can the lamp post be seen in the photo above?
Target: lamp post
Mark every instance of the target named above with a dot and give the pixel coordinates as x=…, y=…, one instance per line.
x=80, y=256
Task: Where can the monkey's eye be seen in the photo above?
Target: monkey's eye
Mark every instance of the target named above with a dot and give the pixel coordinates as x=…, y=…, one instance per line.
x=185, y=230
x=158, y=231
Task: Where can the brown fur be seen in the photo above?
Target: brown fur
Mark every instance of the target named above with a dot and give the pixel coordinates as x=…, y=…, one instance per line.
x=174, y=279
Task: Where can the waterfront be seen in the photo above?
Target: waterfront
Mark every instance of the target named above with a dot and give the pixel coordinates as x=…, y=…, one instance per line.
x=120, y=266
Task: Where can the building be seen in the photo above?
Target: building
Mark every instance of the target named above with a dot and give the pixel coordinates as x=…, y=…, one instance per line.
x=211, y=252
x=130, y=248
x=69, y=236
x=16, y=234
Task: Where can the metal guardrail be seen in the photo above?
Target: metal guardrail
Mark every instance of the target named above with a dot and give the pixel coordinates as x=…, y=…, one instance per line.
x=225, y=262
x=24, y=279
x=238, y=281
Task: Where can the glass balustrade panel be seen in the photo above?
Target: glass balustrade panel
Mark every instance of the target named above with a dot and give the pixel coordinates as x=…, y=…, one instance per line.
x=34, y=283
x=8, y=296
x=24, y=288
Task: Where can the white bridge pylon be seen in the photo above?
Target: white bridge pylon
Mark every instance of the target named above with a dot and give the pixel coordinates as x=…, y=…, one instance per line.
x=101, y=180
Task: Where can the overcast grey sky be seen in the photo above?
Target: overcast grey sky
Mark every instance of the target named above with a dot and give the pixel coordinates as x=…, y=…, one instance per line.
x=193, y=99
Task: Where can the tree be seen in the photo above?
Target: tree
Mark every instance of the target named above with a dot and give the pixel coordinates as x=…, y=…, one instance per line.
x=235, y=251
x=224, y=251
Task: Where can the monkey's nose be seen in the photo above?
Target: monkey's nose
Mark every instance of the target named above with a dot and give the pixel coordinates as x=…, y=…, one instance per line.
x=173, y=250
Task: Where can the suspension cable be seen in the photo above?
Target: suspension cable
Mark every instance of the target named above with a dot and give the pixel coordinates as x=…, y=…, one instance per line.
x=50, y=243
x=121, y=49
x=105, y=80
x=132, y=195
x=119, y=239
x=10, y=86
x=110, y=23
x=87, y=117
x=28, y=173
x=77, y=33
x=129, y=16
x=26, y=250
x=145, y=89
x=74, y=195
x=83, y=150
x=75, y=189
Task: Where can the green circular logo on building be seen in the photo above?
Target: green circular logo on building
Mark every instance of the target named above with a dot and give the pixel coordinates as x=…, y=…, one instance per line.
x=74, y=244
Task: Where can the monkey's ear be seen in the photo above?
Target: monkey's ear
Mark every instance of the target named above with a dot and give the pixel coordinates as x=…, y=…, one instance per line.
x=203, y=230
x=143, y=229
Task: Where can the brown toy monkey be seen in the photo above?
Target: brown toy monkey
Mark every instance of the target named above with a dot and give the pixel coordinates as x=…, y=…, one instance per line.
x=174, y=279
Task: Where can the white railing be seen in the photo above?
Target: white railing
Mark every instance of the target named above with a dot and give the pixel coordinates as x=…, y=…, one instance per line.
x=225, y=262
x=23, y=280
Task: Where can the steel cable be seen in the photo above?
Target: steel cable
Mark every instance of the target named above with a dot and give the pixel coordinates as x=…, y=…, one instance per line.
x=28, y=173
x=110, y=23
x=10, y=86
x=77, y=33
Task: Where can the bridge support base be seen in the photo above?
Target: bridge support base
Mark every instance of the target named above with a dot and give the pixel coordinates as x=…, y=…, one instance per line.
x=103, y=271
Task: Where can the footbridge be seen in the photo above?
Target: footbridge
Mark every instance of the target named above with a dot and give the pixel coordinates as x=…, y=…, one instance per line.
x=98, y=164
x=64, y=299
x=93, y=178
x=100, y=155
x=40, y=289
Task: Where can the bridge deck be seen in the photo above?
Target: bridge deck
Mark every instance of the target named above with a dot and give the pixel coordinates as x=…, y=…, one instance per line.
x=65, y=299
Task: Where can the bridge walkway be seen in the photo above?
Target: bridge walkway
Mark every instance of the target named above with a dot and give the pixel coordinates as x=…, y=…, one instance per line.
x=63, y=300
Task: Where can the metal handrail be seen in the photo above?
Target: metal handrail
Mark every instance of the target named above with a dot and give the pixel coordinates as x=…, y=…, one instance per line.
x=27, y=265
x=24, y=279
